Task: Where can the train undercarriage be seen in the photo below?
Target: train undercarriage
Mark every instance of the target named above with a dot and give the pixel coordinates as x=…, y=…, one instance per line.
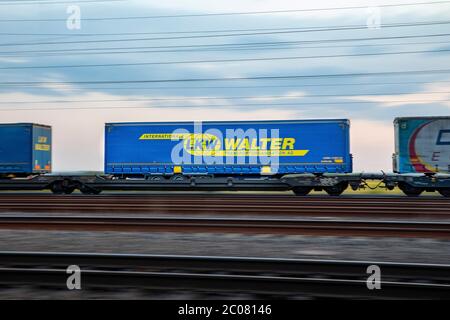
x=300, y=184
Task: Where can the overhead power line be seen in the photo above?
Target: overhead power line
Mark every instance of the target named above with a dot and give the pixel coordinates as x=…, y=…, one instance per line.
x=229, y=46
x=226, y=49
x=24, y=3
x=240, y=87
x=284, y=77
x=389, y=5
x=174, y=32
x=222, y=60
x=305, y=28
x=240, y=105
x=276, y=97
x=222, y=35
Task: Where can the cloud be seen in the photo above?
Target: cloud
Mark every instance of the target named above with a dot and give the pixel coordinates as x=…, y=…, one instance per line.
x=13, y=60
x=437, y=93
x=287, y=96
x=372, y=144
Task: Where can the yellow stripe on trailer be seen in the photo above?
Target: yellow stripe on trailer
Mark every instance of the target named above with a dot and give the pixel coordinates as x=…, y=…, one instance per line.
x=266, y=170
x=177, y=169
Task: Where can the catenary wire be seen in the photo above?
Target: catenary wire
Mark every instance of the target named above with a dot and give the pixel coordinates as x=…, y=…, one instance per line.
x=277, y=77
x=110, y=65
x=389, y=5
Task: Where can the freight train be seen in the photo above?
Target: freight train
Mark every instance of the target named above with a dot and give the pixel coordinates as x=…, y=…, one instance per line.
x=297, y=155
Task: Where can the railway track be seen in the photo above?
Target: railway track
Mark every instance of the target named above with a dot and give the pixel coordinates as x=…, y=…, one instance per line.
x=231, y=204
x=229, y=225
x=290, y=277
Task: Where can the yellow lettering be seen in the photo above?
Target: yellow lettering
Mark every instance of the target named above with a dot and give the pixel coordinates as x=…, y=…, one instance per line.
x=288, y=143
x=246, y=144
x=254, y=145
x=264, y=142
x=231, y=144
x=276, y=143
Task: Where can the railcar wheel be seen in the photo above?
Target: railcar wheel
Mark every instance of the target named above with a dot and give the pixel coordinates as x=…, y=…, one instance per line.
x=65, y=186
x=57, y=188
x=409, y=190
x=445, y=192
x=337, y=189
x=301, y=191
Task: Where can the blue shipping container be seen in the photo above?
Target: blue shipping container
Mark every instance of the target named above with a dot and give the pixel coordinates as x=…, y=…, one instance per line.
x=25, y=148
x=422, y=144
x=231, y=148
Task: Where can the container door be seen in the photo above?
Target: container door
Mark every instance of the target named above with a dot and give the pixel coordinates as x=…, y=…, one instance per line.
x=42, y=156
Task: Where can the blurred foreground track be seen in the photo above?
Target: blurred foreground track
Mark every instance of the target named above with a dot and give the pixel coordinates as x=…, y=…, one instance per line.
x=238, y=204
x=229, y=225
x=273, y=277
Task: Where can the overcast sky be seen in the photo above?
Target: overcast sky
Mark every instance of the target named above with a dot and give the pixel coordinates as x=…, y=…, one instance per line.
x=358, y=72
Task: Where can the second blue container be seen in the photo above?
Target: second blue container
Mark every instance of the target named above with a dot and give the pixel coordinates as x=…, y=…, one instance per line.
x=228, y=148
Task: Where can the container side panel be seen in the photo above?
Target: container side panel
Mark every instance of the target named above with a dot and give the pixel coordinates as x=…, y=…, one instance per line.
x=423, y=145
x=42, y=149
x=228, y=147
x=15, y=149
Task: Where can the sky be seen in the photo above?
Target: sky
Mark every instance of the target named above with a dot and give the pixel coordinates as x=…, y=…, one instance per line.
x=368, y=61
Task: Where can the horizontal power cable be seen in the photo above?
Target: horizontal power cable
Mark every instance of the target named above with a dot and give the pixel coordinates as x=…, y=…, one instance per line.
x=388, y=5
x=228, y=105
x=110, y=65
x=305, y=28
x=23, y=3
x=233, y=47
x=236, y=87
x=279, y=97
x=284, y=77
x=220, y=35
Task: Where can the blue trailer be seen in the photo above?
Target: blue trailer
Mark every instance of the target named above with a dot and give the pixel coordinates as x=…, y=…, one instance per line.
x=25, y=148
x=228, y=148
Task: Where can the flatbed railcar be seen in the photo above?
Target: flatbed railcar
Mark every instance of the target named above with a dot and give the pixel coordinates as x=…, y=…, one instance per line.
x=298, y=155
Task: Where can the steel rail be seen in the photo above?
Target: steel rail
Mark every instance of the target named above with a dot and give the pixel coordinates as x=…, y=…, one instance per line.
x=220, y=196
x=242, y=225
x=328, y=278
x=332, y=288
x=233, y=264
x=231, y=205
